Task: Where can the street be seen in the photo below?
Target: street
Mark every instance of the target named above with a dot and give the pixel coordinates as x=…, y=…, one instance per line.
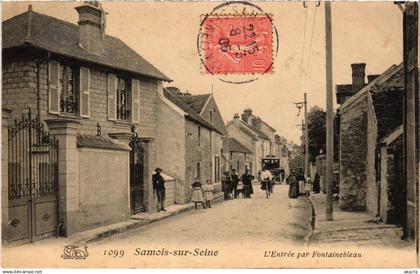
x=237, y=221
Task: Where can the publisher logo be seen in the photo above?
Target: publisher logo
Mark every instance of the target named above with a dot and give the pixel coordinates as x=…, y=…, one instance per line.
x=75, y=252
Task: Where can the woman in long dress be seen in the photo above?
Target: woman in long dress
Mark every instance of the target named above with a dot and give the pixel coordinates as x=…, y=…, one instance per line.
x=197, y=194
x=208, y=193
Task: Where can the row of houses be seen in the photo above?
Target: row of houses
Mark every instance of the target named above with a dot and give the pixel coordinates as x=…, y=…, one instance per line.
x=86, y=120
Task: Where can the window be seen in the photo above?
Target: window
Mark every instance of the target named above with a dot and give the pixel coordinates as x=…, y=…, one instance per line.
x=122, y=97
x=237, y=166
x=67, y=78
x=211, y=116
x=198, y=171
x=68, y=89
x=211, y=139
x=199, y=135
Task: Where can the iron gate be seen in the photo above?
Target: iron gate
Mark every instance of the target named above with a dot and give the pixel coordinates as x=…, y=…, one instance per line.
x=136, y=176
x=33, y=180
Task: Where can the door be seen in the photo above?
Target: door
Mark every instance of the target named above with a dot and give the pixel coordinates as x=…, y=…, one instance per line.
x=137, y=177
x=33, y=181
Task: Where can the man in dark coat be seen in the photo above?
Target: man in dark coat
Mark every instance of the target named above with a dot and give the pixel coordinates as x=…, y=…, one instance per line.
x=159, y=188
x=247, y=182
x=235, y=181
x=227, y=185
x=317, y=187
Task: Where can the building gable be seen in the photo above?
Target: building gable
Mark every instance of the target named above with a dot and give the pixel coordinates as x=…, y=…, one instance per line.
x=211, y=114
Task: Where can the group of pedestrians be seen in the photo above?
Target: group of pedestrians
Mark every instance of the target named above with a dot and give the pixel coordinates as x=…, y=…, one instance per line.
x=301, y=186
x=230, y=184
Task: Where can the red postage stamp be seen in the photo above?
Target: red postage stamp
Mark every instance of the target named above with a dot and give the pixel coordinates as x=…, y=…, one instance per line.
x=236, y=38
x=237, y=44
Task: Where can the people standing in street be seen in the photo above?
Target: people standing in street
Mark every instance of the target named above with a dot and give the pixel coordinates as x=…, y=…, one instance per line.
x=317, y=186
x=247, y=183
x=208, y=193
x=235, y=182
x=159, y=189
x=197, y=194
x=301, y=183
x=308, y=186
x=227, y=185
x=293, y=185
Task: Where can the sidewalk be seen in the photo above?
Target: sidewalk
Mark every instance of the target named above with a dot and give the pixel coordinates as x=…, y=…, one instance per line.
x=353, y=228
x=135, y=221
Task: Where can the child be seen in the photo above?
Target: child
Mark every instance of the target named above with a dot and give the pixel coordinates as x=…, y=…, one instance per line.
x=308, y=186
x=197, y=194
x=208, y=193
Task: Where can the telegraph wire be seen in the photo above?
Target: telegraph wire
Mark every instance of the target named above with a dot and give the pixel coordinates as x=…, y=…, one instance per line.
x=311, y=40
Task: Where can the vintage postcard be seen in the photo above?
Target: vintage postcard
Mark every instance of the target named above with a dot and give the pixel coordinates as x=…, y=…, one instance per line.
x=210, y=134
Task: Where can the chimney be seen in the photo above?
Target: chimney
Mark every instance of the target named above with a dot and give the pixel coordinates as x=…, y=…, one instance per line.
x=91, y=27
x=372, y=77
x=257, y=122
x=358, y=76
x=236, y=119
x=246, y=115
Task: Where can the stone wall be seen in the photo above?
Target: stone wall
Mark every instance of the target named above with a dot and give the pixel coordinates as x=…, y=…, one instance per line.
x=353, y=156
x=171, y=145
x=103, y=187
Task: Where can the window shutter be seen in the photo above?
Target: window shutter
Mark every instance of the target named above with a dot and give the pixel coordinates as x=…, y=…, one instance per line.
x=135, y=101
x=84, y=92
x=53, y=87
x=112, y=103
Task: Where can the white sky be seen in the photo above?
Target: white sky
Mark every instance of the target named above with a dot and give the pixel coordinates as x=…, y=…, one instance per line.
x=165, y=34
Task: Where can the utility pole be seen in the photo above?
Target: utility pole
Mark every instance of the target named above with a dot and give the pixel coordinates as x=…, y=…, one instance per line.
x=304, y=127
x=330, y=113
x=305, y=103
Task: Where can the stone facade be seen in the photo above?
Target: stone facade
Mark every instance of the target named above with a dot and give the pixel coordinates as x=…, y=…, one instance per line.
x=199, y=164
x=171, y=146
x=353, y=156
x=33, y=79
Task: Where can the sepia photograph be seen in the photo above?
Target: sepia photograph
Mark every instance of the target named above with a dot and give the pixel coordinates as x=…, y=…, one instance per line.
x=210, y=135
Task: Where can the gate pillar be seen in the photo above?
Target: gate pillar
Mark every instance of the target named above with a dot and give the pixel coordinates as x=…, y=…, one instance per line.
x=68, y=172
x=5, y=173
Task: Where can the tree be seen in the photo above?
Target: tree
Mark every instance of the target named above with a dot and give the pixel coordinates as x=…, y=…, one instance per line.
x=316, y=131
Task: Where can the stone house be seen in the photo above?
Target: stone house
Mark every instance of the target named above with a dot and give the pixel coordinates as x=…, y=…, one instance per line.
x=255, y=134
x=365, y=118
x=189, y=147
x=238, y=156
x=99, y=99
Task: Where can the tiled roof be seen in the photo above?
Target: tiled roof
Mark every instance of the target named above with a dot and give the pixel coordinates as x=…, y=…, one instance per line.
x=61, y=37
x=232, y=145
x=259, y=132
x=196, y=102
x=193, y=115
x=99, y=142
